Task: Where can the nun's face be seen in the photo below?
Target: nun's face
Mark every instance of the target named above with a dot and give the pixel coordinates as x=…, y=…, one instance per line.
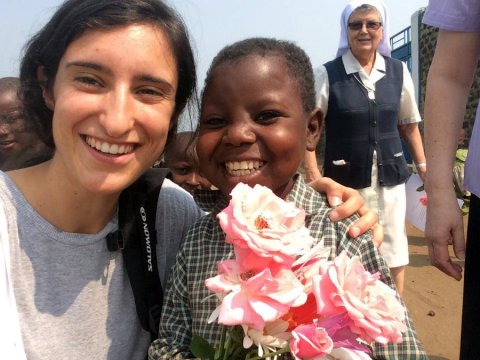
x=365, y=31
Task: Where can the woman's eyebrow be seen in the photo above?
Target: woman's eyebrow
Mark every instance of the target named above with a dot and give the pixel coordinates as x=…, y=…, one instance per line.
x=90, y=65
x=142, y=77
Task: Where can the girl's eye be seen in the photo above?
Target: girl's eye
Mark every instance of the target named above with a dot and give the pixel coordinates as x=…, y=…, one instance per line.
x=213, y=122
x=267, y=116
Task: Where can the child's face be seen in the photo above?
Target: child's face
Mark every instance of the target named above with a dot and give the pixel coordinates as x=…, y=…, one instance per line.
x=113, y=98
x=17, y=140
x=184, y=164
x=253, y=128
x=12, y=123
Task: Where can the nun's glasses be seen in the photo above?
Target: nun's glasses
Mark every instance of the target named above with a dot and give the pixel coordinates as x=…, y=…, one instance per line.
x=358, y=25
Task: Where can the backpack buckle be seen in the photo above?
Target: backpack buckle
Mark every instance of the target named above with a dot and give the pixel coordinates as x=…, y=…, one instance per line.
x=115, y=241
x=154, y=313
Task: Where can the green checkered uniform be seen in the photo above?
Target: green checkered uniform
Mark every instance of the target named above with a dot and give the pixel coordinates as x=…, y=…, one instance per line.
x=188, y=303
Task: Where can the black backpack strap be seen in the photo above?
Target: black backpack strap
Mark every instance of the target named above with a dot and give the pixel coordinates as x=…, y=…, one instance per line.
x=136, y=220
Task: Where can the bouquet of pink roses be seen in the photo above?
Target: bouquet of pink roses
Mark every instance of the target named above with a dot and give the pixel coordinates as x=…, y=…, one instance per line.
x=281, y=294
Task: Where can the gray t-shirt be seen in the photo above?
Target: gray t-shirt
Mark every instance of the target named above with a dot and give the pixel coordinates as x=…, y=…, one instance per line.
x=73, y=295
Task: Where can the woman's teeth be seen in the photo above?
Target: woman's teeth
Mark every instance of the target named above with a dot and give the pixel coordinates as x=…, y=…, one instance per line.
x=242, y=168
x=107, y=148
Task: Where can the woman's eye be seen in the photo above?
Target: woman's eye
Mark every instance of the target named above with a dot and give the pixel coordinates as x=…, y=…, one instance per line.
x=151, y=92
x=267, y=116
x=88, y=81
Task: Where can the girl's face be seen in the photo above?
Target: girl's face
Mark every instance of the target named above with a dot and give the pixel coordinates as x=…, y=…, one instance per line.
x=253, y=128
x=113, y=99
x=365, y=40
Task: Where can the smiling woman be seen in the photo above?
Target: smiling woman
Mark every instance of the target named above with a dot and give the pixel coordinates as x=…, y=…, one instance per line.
x=106, y=81
x=127, y=106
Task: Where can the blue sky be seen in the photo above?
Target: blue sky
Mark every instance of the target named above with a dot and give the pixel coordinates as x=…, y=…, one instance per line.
x=312, y=24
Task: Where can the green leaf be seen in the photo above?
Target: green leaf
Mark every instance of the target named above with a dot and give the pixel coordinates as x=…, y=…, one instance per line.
x=202, y=349
x=237, y=334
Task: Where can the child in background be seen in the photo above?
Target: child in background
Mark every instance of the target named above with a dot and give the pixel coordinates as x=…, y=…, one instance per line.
x=257, y=119
x=20, y=143
x=181, y=158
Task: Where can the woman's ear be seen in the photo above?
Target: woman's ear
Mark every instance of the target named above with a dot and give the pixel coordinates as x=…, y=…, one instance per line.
x=46, y=92
x=314, y=128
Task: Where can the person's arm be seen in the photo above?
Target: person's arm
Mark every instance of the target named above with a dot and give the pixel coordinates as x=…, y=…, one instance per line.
x=448, y=84
x=322, y=88
x=348, y=201
x=413, y=140
x=408, y=120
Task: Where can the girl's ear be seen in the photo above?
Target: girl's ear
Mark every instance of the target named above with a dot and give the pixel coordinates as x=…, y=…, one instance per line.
x=314, y=128
x=46, y=93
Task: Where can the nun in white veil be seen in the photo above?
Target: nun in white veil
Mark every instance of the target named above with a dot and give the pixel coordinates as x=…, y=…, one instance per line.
x=362, y=58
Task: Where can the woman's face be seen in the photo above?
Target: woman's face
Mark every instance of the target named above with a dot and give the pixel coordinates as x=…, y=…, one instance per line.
x=113, y=99
x=364, y=41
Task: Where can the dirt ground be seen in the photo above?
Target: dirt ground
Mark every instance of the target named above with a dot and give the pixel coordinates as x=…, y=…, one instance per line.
x=434, y=301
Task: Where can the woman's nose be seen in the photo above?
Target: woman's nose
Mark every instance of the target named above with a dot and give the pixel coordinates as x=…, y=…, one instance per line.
x=118, y=115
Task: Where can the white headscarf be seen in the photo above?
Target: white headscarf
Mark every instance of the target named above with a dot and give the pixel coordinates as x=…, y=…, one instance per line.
x=384, y=46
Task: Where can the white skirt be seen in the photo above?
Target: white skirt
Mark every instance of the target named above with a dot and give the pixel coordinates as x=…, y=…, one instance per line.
x=390, y=202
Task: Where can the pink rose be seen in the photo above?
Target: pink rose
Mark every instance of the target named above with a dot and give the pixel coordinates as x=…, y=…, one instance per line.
x=375, y=311
x=320, y=334
x=309, y=342
x=338, y=328
x=258, y=220
x=250, y=298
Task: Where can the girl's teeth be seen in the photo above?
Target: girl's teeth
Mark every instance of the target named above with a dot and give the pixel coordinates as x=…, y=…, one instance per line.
x=242, y=168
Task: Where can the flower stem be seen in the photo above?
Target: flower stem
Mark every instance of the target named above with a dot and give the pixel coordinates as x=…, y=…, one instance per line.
x=219, y=354
x=272, y=354
x=228, y=345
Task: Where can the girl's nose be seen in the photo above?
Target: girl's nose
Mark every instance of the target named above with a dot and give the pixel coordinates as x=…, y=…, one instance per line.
x=239, y=132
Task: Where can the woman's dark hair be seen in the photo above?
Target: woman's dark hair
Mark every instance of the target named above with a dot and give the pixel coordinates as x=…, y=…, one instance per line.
x=297, y=61
x=71, y=20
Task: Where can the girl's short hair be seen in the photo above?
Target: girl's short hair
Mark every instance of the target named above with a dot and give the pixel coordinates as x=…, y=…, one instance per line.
x=71, y=20
x=297, y=61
